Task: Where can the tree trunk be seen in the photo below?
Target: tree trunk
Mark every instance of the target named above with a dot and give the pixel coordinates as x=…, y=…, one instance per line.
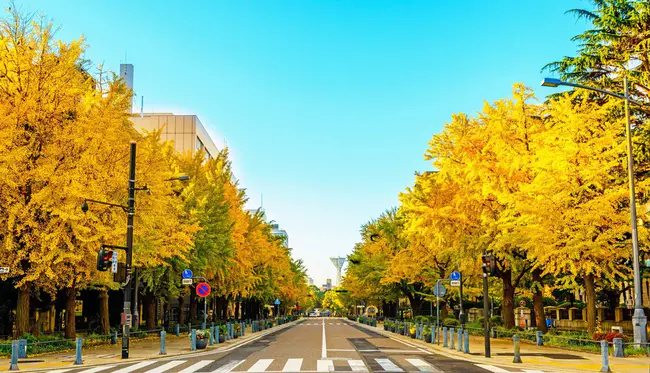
x=193, y=306
x=538, y=301
x=181, y=311
x=22, y=311
x=590, y=293
x=237, y=310
x=150, y=310
x=104, y=323
x=508, y=306
x=70, y=298
x=416, y=303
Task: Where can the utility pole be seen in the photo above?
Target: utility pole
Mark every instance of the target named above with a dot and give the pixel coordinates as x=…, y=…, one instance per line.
x=126, y=328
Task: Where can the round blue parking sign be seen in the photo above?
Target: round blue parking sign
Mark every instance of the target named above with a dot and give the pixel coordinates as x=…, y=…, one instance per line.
x=187, y=273
x=455, y=276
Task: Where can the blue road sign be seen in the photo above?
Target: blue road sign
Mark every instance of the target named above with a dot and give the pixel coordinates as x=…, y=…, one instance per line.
x=187, y=273
x=455, y=276
x=439, y=290
x=277, y=302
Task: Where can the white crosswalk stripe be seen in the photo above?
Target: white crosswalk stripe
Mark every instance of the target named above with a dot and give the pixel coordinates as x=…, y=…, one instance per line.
x=195, y=367
x=137, y=366
x=260, y=365
x=325, y=366
x=422, y=365
x=97, y=369
x=388, y=365
x=60, y=371
x=292, y=365
x=357, y=366
x=492, y=368
x=166, y=367
x=229, y=367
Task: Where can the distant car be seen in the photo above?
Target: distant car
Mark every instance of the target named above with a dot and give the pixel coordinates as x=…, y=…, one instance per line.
x=312, y=314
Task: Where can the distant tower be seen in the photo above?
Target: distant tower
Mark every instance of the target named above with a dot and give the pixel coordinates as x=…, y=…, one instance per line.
x=338, y=263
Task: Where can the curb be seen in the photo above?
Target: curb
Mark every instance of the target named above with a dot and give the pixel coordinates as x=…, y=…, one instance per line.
x=469, y=358
x=222, y=347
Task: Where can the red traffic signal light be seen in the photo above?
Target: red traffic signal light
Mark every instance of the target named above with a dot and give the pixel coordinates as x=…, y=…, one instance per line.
x=104, y=258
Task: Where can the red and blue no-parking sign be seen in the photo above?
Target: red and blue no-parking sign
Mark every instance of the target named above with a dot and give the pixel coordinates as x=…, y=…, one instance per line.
x=203, y=290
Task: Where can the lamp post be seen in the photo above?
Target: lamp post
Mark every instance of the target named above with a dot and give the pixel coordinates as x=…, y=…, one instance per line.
x=639, y=320
x=130, y=211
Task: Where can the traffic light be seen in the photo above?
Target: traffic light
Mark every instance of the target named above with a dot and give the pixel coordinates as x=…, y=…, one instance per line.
x=489, y=265
x=104, y=258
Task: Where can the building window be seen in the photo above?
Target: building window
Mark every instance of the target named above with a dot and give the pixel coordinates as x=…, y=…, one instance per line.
x=199, y=144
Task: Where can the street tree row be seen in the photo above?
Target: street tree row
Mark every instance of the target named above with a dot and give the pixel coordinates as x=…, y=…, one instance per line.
x=64, y=138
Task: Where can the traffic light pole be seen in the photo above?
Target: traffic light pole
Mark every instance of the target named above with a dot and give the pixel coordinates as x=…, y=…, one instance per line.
x=126, y=328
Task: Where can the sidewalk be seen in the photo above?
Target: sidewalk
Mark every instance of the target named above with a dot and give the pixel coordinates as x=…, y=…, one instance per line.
x=548, y=359
x=143, y=349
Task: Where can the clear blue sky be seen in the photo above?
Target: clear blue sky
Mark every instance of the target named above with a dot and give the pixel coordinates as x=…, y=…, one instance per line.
x=327, y=106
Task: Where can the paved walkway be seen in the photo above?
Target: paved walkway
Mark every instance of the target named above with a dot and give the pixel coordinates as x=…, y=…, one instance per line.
x=139, y=350
x=534, y=358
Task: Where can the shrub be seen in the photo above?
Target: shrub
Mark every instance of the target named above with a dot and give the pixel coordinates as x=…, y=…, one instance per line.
x=450, y=322
x=496, y=321
x=609, y=336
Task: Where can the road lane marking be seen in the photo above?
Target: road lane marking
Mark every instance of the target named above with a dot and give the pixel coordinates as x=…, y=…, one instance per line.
x=532, y=371
x=357, y=366
x=193, y=368
x=97, y=369
x=324, y=366
x=492, y=368
x=323, y=354
x=423, y=366
x=228, y=367
x=134, y=367
x=260, y=365
x=166, y=367
x=292, y=365
x=60, y=371
x=388, y=365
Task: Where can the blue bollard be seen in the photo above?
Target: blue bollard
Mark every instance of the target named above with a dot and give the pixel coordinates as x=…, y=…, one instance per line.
x=78, y=360
x=22, y=349
x=422, y=332
x=466, y=342
x=516, y=341
x=163, y=342
x=193, y=340
x=243, y=329
x=212, y=335
x=539, y=338
x=604, y=350
x=14, y=355
x=114, y=338
x=178, y=330
x=459, y=348
x=618, y=348
x=445, y=343
x=452, y=337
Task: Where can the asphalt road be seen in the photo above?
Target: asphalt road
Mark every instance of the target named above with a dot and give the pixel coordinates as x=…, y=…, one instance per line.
x=311, y=345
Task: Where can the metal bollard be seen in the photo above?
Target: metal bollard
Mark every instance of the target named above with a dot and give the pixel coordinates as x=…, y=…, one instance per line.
x=466, y=342
x=516, y=340
x=459, y=348
x=452, y=337
x=14, y=355
x=114, y=337
x=22, y=348
x=193, y=340
x=540, y=338
x=178, y=330
x=78, y=360
x=618, y=348
x=212, y=335
x=604, y=350
x=444, y=337
x=163, y=342
x=417, y=331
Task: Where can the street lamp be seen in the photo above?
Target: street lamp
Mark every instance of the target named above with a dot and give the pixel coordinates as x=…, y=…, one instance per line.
x=130, y=211
x=639, y=320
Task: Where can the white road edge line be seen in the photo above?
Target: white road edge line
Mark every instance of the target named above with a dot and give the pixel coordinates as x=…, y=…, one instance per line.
x=491, y=368
x=324, y=351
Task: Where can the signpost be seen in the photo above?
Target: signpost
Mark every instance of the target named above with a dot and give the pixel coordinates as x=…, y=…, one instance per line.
x=455, y=283
x=187, y=281
x=277, y=307
x=203, y=289
x=456, y=279
x=187, y=273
